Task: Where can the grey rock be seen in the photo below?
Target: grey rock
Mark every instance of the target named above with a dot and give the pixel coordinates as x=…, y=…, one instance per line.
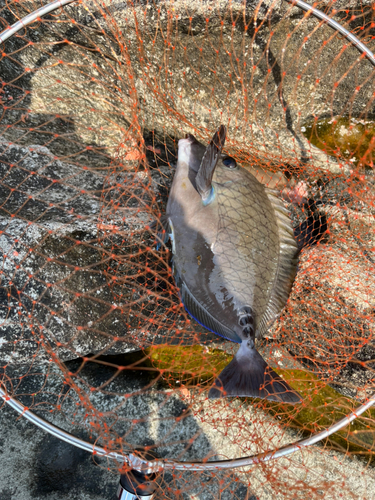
x=57, y=295
x=174, y=424
x=100, y=81
x=45, y=222
x=156, y=418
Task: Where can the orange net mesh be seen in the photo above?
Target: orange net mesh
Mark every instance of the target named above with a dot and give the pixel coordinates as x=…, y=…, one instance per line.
x=93, y=334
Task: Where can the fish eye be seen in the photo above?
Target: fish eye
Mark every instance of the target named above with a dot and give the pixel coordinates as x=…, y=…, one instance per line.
x=229, y=162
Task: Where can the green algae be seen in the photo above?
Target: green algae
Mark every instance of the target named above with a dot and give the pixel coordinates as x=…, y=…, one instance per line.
x=193, y=364
x=349, y=138
x=322, y=406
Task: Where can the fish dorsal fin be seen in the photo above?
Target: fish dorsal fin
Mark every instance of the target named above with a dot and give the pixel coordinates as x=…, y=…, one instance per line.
x=209, y=161
x=287, y=267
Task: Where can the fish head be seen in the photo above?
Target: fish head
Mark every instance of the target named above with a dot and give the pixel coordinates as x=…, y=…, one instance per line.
x=198, y=158
x=190, y=152
x=184, y=200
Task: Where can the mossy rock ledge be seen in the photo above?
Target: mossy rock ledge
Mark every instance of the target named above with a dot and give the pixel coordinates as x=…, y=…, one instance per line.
x=322, y=405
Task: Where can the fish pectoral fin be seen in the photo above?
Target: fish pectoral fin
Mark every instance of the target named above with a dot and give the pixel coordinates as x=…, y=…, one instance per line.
x=209, y=161
x=248, y=375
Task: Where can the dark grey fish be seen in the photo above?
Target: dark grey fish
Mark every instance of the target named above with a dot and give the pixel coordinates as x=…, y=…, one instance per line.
x=234, y=260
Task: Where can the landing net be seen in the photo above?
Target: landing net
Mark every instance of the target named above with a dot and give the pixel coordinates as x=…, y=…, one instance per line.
x=93, y=335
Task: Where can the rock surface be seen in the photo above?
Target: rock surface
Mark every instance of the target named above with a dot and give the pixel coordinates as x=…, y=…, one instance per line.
x=161, y=58
x=177, y=424
x=57, y=469
x=60, y=252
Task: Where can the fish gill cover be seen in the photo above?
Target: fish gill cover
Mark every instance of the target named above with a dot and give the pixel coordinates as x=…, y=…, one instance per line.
x=93, y=334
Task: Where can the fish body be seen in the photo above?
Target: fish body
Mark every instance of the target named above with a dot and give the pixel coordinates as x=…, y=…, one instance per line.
x=234, y=260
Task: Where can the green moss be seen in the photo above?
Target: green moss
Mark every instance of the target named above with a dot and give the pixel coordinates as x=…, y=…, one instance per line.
x=322, y=406
x=193, y=364
x=352, y=139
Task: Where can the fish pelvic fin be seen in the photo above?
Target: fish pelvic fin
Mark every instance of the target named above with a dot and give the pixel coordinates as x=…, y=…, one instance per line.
x=162, y=227
x=208, y=164
x=248, y=375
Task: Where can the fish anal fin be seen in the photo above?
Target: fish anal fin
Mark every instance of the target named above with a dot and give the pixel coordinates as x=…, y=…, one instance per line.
x=248, y=375
x=209, y=161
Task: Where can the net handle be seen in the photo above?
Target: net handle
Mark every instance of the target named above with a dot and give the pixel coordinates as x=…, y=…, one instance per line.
x=158, y=465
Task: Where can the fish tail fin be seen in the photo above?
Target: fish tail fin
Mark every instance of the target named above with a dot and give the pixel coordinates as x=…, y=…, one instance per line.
x=248, y=375
x=209, y=161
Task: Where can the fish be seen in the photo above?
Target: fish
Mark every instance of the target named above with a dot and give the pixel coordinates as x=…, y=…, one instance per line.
x=234, y=260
